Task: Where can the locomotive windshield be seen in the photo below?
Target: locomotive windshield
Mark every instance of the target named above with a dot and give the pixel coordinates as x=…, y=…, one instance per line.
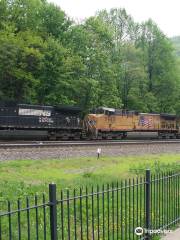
x=105, y=110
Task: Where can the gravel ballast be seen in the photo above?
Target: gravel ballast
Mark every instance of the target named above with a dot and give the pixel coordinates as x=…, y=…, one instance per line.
x=87, y=151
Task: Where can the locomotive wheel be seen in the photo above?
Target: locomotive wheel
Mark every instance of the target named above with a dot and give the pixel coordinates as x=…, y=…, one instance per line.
x=173, y=136
x=100, y=137
x=52, y=138
x=160, y=136
x=117, y=137
x=65, y=137
x=109, y=137
x=124, y=136
x=77, y=136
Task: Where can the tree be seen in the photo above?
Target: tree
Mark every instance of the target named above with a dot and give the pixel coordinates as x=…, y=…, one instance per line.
x=19, y=64
x=123, y=27
x=53, y=21
x=126, y=57
x=58, y=74
x=93, y=42
x=159, y=63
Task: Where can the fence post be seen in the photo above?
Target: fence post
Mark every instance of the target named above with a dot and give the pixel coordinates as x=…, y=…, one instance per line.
x=148, y=203
x=53, y=211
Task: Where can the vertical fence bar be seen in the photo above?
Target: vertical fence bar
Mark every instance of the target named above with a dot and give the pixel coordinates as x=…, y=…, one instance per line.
x=172, y=197
x=68, y=216
x=103, y=213
x=166, y=211
x=159, y=181
x=175, y=197
x=112, y=211
x=178, y=195
x=151, y=207
x=129, y=219
x=168, y=197
x=87, y=214
x=125, y=209
x=117, y=211
x=92, y=204
x=108, y=220
x=148, y=202
x=44, y=215
x=53, y=211
x=0, y=229
x=137, y=201
x=81, y=217
x=140, y=202
x=10, y=226
x=133, y=202
x=165, y=203
x=153, y=219
x=37, y=222
x=62, y=216
x=98, y=213
x=174, y=194
x=156, y=201
x=28, y=218
x=75, y=220
x=19, y=219
x=169, y=194
x=121, y=213
x=162, y=195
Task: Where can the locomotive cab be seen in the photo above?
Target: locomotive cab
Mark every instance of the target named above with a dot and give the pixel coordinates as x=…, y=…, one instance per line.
x=109, y=123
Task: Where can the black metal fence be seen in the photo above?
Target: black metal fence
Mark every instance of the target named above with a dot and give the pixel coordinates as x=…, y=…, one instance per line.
x=111, y=212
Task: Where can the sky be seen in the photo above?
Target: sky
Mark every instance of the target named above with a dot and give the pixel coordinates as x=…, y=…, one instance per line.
x=166, y=13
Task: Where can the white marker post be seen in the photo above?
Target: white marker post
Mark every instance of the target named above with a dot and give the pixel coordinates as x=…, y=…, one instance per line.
x=98, y=152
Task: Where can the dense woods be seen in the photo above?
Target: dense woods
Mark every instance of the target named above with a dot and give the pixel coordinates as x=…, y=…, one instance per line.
x=176, y=42
x=108, y=59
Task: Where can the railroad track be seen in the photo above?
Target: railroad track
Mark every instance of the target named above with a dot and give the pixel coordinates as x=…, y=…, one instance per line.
x=46, y=144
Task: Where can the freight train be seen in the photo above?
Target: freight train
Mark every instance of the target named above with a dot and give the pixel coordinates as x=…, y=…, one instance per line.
x=66, y=122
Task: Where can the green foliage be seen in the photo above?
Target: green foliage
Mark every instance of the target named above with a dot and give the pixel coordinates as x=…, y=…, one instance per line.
x=176, y=44
x=160, y=65
x=53, y=21
x=107, y=60
x=19, y=63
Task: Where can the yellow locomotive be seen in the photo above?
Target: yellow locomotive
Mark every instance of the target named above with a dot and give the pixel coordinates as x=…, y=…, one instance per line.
x=110, y=123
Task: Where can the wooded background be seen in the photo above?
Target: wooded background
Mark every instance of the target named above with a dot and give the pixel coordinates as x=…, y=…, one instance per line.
x=106, y=60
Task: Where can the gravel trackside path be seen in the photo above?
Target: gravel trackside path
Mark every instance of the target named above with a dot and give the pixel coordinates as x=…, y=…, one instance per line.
x=175, y=235
x=87, y=151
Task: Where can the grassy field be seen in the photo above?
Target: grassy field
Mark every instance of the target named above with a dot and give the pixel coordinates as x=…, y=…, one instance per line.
x=27, y=177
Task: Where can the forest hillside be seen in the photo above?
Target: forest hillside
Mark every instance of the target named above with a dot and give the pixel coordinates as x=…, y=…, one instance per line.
x=105, y=60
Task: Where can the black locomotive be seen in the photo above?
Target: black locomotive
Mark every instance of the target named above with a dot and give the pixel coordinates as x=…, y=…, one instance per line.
x=46, y=122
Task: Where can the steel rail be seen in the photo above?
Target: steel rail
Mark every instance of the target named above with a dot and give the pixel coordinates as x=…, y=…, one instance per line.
x=45, y=144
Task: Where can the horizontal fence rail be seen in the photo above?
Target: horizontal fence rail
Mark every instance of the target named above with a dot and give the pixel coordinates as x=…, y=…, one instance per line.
x=112, y=211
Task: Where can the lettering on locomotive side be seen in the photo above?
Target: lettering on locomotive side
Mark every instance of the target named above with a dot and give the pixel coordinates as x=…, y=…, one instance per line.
x=45, y=120
x=34, y=112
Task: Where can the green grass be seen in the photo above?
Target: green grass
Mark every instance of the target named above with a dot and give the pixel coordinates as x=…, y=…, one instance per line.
x=27, y=177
